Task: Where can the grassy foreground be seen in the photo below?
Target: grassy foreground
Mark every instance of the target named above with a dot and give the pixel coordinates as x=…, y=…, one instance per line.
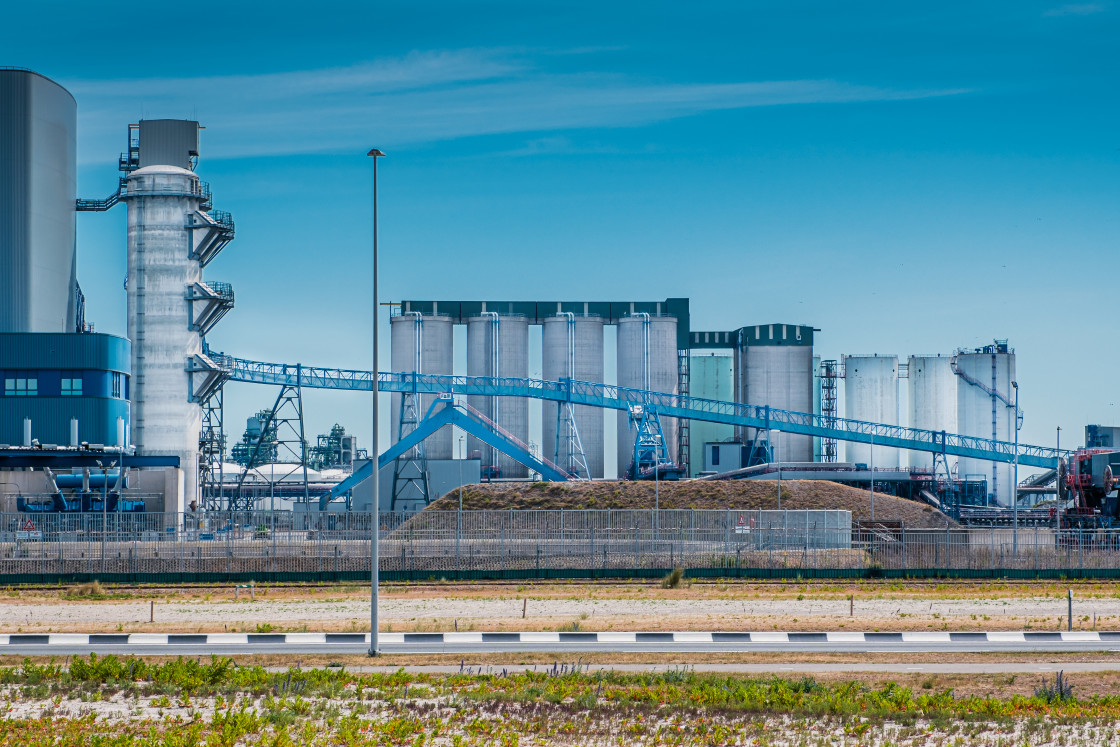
x=116, y=702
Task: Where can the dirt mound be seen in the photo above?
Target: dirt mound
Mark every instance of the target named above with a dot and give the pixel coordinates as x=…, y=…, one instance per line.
x=707, y=494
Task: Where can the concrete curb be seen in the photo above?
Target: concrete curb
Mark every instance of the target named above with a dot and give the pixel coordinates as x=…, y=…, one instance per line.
x=605, y=638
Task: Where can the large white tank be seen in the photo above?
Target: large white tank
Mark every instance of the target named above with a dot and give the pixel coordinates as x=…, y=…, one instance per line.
x=985, y=416
x=498, y=346
x=432, y=336
x=647, y=359
x=774, y=367
x=572, y=347
x=165, y=420
x=871, y=395
x=711, y=376
x=933, y=399
x=38, y=182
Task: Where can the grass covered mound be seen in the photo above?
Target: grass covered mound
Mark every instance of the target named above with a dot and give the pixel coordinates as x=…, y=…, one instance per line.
x=737, y=495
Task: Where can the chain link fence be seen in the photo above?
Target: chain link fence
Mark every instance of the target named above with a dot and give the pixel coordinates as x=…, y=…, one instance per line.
x=526, y=544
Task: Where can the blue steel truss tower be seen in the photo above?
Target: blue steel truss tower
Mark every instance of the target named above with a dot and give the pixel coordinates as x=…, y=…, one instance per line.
x=569, y=452
x=410, y=470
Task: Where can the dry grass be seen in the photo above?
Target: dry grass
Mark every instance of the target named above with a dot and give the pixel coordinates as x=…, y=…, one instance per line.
x=736, y=495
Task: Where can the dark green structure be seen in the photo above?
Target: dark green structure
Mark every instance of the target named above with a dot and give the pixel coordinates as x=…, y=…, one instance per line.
x=51, y=379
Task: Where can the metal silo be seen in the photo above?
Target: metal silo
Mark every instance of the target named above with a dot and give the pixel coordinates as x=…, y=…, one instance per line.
x=774, y=366
x=871, y=395
x=572, y=347
x=711, y=376
x=647, y=359
x=933, y=399
x=984, y=409
x=423, y=343
x=498, y=346
x=38, y=188
x=166, y=418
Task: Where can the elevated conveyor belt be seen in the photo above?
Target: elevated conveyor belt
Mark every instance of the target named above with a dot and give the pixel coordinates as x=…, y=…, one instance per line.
x=667, y=405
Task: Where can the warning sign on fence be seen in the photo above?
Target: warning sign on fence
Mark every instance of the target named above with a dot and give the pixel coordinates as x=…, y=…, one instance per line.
x=29, y=532
x=741, y=526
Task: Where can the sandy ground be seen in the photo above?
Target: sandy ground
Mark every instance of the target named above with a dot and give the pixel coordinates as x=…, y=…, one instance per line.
x=591, y=607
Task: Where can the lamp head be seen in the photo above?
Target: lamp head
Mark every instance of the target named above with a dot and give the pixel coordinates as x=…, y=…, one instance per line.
x=375, y=153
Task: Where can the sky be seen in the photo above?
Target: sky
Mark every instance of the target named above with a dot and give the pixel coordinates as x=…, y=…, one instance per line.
x=906, y=177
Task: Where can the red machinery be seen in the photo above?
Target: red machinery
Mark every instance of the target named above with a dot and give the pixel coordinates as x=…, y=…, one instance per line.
x=1088, y=478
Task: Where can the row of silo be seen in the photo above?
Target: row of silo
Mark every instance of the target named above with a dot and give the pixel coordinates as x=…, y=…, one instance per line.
x=969, y=393
x=573, y=347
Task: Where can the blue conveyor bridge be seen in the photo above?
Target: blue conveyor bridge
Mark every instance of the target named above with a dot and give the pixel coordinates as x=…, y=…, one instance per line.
x=666, y=405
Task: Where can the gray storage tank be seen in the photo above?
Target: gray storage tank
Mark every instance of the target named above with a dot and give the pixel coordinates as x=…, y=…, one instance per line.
x=984, y=410
x=498, y=346
x=647, y=359
x=572, y=347
x=423, y=343
x=933, y=399
x=774, y=367
x=871, y=395
x=38, y=188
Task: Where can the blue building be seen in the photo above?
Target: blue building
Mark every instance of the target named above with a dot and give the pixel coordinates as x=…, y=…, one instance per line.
x=51, y=379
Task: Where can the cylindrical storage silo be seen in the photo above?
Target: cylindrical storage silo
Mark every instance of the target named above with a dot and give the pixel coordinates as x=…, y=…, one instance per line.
x=165, y=420
x=933, y=400
x=871, y=395
x=647, y=359
x=422, y=343
x=498, y=346
x=572, y=348
x=982, y=414
x=774, y=367
x=38, y=185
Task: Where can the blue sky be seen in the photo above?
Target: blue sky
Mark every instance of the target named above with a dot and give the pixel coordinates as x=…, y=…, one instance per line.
x=908, y=177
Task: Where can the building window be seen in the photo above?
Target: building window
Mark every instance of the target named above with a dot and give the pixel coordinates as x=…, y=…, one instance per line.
x=21, y=387
x=715, y=456
x=71, y=387
x=118, y=384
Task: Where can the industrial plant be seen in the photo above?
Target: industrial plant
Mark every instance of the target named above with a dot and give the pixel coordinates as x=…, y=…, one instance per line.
x=91, y=422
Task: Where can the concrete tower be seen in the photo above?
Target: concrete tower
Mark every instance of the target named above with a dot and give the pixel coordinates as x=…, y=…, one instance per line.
x=170, y=239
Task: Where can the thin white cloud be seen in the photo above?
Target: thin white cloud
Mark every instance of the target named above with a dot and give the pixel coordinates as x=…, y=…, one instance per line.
x=1076, y=9
x=420, y=98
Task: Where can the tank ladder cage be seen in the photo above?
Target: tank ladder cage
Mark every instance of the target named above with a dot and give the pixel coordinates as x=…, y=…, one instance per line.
x=211, y=447
x=650, y=454
x=410, y=470
x=593, y=394
x=208, y=302
x=217, y=229
x=830, y=372
x=283, y=431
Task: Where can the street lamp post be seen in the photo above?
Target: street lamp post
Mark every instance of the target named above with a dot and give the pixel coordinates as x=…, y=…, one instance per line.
x=459, y=518
x=778, y=445
x=375, y=508
x=1058, y=476
x=1015, y=478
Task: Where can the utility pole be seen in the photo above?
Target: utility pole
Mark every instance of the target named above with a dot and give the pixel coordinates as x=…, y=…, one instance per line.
x=375, y=509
